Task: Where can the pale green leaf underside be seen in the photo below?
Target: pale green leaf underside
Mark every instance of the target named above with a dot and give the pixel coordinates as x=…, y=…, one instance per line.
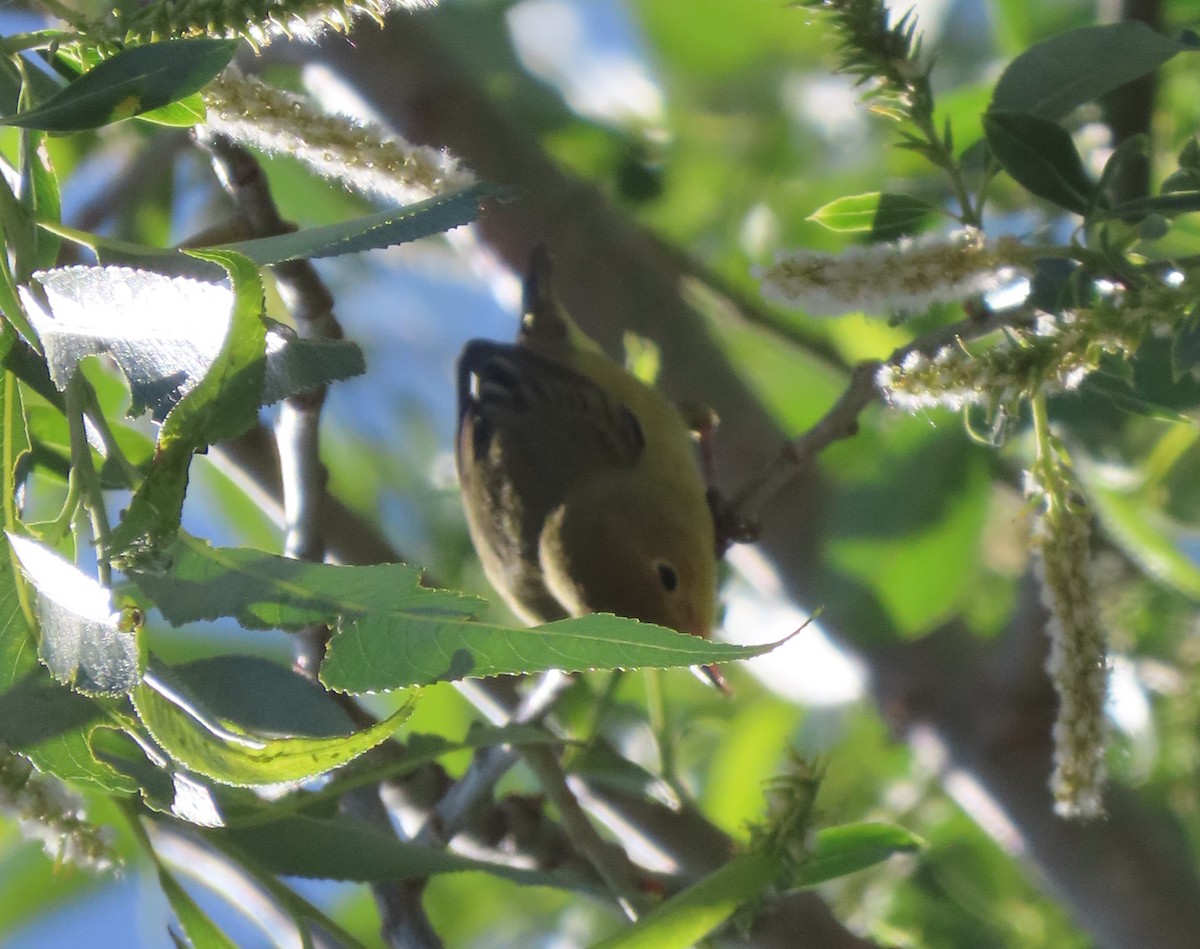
x=379, y=653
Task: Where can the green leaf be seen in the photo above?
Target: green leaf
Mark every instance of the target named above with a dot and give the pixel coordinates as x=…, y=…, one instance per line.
x=201, y=931
x=1136, y=522
x=1065, y=71
x=85, y=643
x=17, y=229
x=369, y=232
x=222, y=405
x=1040, y=155
x=226, y=752
x=10, y=86
x=379, y=653
x=1114, y=389
x=886, y=216
x=383, y=229
x=343, y=848
x=234, y=383
x=419, y=749
x=848, y=848
x=688, y=917
x=266, y=591
x=39, y=191
x=134, y=81
x=35, y=709
x=18, y=644
x=185, y=113
x=1176, y=202
x=295, y=365
x=394, y=632
x=263, y=696
x=70, y=756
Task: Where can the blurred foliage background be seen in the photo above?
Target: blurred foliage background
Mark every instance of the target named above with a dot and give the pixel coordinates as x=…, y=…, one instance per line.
x=720, y=127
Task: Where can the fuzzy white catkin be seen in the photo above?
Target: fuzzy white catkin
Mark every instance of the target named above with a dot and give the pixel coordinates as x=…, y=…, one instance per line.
x=364, y=158
x=1077, y=663
x=258, y=21
x=903, y=277
x=48, y=813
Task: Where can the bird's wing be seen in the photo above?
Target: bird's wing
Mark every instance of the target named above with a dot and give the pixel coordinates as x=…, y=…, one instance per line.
x=544, y=411
x=530, y=431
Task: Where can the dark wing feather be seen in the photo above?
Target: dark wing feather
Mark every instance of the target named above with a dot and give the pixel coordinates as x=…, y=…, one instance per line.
x=530, y=430
x=548, y=413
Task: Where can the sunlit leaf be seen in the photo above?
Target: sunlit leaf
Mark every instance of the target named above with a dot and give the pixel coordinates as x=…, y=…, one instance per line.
x=382, y=229
x=85, y=642
x=1053, y=77
x=848, y=848
x=223, y=404
x=185, y=113
x=165, y=333
x=224, y=751
x=884, y=216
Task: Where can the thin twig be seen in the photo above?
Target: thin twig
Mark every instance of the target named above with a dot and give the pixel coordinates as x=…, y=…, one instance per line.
x=841, y=421
x=610, y=861
x=489, y=765
x=737, y=518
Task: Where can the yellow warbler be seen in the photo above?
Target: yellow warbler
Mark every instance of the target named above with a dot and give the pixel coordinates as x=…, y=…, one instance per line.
x=579, y=481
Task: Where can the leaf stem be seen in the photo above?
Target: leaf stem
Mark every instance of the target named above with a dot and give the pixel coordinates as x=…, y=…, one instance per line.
x=83, y=469
x=1166, y=453
x=660, y=724
x=35, y=40
x=608, y=859
x=112, y=448
x=9, y=460
x=54, y=531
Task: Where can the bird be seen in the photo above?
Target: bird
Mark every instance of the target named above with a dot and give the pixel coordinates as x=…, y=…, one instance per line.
x=580, y=482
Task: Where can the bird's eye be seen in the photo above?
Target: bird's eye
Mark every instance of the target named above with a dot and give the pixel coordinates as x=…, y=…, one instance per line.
x=668, y=577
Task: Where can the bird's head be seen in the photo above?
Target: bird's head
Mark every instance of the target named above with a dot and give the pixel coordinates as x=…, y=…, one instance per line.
x=627, y=547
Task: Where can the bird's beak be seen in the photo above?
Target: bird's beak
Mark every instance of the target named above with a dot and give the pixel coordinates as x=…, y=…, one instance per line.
x=711, y=675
